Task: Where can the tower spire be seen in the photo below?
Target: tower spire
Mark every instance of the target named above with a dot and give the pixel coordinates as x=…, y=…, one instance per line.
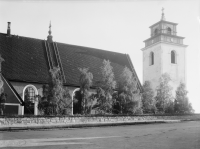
x=49, y=37
x=50, y=28
x=163, y=15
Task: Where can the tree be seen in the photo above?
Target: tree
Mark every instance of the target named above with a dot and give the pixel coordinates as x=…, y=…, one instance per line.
x=181, y=104
x=56, y=99
x=2, y=94
x=106, y=88
x=128, y=97
x=2, y=97
x=85, y=82
x=148, y=101
x=164, y=96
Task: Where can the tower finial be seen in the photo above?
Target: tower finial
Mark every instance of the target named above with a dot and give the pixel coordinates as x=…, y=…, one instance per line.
x=163, y=15
x=49, y=37
x=50, y=28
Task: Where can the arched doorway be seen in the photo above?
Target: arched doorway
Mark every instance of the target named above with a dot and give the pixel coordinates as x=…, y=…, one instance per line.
x=30, y=100
x=76, y=101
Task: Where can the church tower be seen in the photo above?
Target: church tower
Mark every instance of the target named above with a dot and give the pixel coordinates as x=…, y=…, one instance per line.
x=164, y=52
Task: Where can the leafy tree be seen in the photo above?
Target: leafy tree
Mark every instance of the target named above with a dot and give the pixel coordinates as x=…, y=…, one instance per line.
x=128, y=97
x=2, y=97
x=85, y=82
x=164, y=96
x=56, y=99
x=148, y=101
x=181, y=104
x=2, y=94
x=106, y=88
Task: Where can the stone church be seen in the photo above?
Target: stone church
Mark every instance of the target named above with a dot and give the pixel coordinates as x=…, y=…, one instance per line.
x=164, y=52
x=27, y=62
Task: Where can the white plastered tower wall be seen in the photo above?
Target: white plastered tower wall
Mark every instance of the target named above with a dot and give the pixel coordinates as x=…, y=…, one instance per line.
x=162, y=64
x=152, y=72
x=162, y=42
x=176, y=71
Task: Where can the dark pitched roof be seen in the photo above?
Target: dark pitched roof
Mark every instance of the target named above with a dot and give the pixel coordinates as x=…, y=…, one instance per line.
x=26, y=60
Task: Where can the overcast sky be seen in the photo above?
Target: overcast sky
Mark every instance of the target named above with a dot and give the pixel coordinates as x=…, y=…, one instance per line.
x=114, y=25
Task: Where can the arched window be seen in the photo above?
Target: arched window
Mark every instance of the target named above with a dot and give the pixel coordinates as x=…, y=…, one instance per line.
x=30, y=94
x=151, y=58
x=29, y=97
x=155, y=31
x=76, y=106
x=173, y=57
x=169, y=31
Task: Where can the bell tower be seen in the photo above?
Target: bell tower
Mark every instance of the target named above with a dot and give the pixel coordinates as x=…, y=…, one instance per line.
x=164, y=52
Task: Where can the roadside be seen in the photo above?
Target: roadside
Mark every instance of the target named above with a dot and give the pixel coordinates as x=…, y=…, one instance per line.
x=53, y=122
x=80, y=125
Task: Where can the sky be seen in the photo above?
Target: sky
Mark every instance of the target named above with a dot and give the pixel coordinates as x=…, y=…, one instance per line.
x=113, y=25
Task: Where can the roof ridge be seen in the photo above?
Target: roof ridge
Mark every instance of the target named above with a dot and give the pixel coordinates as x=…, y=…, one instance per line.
x=103, y=50
x=13, y=35
x=90, y=48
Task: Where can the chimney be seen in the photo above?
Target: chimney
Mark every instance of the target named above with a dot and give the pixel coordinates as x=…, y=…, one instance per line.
x=8, y=29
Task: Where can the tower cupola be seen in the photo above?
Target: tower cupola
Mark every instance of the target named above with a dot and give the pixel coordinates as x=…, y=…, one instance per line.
x=163, y=31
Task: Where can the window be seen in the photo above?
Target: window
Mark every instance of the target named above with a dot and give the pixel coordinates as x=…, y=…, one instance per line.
x=169, y=31
x=30, y=100
x=151, y=58
x=155, y=31
x=30, y=94
x=173, y=57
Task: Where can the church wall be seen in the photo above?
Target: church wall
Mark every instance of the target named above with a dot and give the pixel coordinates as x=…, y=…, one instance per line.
x=176, y=71
x=162, y=64
x=19, y=87
x=152, y=73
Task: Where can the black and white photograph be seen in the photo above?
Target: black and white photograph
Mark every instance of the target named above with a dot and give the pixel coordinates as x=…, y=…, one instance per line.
x=100, y=74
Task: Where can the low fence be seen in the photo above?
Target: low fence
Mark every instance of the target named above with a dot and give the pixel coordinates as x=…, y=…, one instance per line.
x=64, y=120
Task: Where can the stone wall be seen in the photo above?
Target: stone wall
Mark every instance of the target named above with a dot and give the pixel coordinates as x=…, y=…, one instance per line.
x=26, y=121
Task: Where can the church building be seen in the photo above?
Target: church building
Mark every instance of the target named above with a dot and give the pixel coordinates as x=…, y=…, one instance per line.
x=27, y=62
x=164, y=52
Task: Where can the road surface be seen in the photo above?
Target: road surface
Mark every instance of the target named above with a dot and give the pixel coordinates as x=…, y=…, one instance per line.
x=185, y=135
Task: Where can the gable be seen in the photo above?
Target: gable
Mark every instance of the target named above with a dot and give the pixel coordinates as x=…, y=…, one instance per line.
x=12, y=95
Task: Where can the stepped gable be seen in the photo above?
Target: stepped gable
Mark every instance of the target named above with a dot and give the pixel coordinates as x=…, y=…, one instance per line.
x=26, y=60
